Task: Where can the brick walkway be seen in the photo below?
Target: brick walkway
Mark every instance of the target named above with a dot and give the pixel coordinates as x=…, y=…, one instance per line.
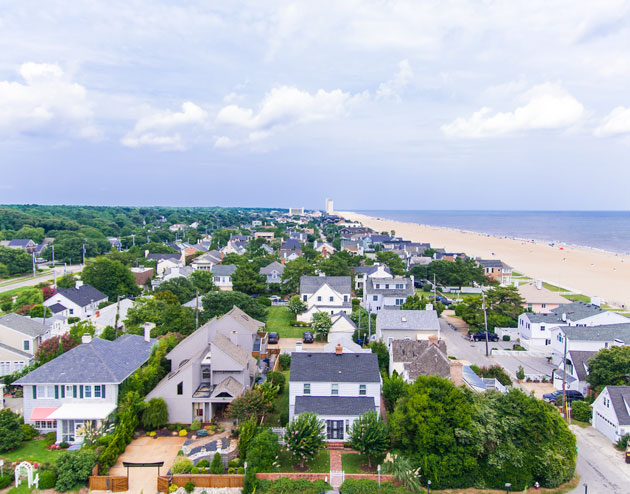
x=335, y=460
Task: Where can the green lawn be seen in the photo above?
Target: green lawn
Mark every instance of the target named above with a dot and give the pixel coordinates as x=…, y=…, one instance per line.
x=351, y=462
x=578, y=298
x=279, y=320
x=321, y=463
x=280, y=404
x=554, y=288
x=32, y=451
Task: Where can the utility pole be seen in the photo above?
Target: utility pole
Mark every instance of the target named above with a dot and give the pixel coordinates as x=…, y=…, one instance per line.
x=133, y=239
x=33, y=254
x=197, y=311
x=53, y=266
x=117, y=315
x=369, y=323
x=485, y=318
x=83, y=251
x=564, y=378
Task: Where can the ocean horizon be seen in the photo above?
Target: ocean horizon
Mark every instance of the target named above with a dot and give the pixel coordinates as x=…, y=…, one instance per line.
x=605, y=230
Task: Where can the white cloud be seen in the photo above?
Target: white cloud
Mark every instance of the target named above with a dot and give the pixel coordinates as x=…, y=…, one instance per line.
x=548, y=106
x=284, y=107
x=393, y=88
x=615, y=123
x=48, y=102
x=163, y=129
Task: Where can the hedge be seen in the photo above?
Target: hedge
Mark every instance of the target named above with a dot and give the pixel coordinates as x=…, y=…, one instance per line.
x=367, y=486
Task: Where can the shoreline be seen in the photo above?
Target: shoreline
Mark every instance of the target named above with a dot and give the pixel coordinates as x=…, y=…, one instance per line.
x=586, y=270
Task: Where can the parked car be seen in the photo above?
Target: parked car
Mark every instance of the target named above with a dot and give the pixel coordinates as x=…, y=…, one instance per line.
x=308, y=337
x=572, y=395
x=481, y=336
x=274, y=338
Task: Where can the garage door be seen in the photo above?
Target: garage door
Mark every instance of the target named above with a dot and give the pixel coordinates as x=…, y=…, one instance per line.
x=605, y=427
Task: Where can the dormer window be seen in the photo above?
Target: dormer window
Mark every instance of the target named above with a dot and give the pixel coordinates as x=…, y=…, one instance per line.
x=334, y=389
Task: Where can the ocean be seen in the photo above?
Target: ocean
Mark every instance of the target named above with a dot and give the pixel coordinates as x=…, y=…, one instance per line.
x=605, y=230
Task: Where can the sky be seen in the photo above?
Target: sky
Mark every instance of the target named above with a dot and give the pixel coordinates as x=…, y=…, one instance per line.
x=377, y=104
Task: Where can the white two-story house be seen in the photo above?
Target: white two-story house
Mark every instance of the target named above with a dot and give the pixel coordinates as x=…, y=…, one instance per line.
x=80, y=387
x=587, y=338
x=362, y=273
x=331, y=294
x=407, y=325
x=20, y=337
x=611, y=412
x=222, y=276
x=273, y=272
x=81, y=301
x=338, y=387
x=386, y=293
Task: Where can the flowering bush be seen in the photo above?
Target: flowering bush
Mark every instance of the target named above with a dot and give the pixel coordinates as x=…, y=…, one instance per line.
x=304, y=437
x=183, y=433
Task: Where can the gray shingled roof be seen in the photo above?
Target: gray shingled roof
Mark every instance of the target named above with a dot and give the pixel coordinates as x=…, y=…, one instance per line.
x=334, y=405
x=369, y=269
x=56, y=308
x=579, y=359
x=416, y=320
x=330, y=367
x=100, y=361
x=159, y=257
x=270, y=267
x=491, y=263
x=370, y=287
x=310, y=284
x=223, y=270
x=605, y=332
x=19, y=242
x=23, y=324
x=235, y=352
x=578, y=310
x=620, y=397
x=82, y=296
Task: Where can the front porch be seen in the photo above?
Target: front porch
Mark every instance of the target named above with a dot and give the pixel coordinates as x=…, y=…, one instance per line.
x=74, y=419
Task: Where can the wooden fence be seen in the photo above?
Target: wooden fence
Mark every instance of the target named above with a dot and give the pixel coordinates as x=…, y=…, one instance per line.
x=108, y=483
x=207, y=481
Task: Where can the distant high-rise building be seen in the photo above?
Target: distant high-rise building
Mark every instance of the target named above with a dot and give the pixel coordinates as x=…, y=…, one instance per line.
x=296, y=211
x=329, y=206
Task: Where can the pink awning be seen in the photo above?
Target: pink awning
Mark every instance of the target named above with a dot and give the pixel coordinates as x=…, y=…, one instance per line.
x=41, y=413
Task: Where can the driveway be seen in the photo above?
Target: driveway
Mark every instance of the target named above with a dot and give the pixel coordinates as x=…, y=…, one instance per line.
x=287, y=345
x=147, y=450
x=599, y=464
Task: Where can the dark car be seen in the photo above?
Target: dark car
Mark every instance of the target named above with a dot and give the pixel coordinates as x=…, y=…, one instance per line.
x=308, y=337
x=274, y=338
x=572, y=395
x=481, y=336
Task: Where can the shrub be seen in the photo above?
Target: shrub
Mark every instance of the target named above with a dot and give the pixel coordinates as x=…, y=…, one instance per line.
x=304, y=437
x=231, y=471
x=5, y=480
x=74, y=467
x=183, y=433
x=172, y=488
x=303, y=486
x=203, y=464
x=216, y=467
x=581, y=411
x=64, y=445
x=518, y=348
x=506, y=337
x=51, y=437
x=47, y=479
x=520, y=374
x=246, y=432
x=262, y=451
x=277, y=378
x=194, y=470
x=189, y=487
x=196, y=425
x=233, y=463
x=11, y=433
x=29, y=432
x=155, y=415
x=366, y=486
x=240, y=470
x=172, y=427
x=285, y=361
x=181, y=465
x=622, y=444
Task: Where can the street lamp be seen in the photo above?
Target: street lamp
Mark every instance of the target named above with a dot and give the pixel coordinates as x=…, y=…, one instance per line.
x=428, y=487
x=379, y=476
x=507, y=488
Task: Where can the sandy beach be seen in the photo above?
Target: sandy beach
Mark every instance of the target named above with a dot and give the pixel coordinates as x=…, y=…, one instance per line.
x=592, y=272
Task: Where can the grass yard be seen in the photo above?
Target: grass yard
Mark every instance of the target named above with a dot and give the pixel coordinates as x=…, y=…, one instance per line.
x=554, y=288
x=321, y=463
x=351, y=462
x=281, y=404
x=578, y=298
x=279, y=320
x=32, y=451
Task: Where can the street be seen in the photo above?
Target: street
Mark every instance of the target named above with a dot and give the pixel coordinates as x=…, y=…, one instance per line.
x=30, y=281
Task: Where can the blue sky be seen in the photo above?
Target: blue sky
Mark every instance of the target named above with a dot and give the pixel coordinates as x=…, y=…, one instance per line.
x=380, y=105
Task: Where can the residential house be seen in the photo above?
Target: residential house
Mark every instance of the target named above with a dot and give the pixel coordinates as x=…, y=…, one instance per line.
x=268, y=236
x=324, y=248
x=22, y=243
x=268, y=250
x=413, y=358
x=576, y=371
x=211, y=367
x=20, y=337
x=207, y=261
x=222, y=276
x=80, y=387
x=177, y=227
x=496, y=270
x=177, y=272
x=407, y=325
x=165, y=261
x=330, y=294
x=341, y=332
x=534, y=329
x=290, y=250
x=538, y=299
x=81, y=301
x=273, y=272
x=112, y=315
x=587, y=338
x=384, y=293
x=301, y=237
x=338, y=387
x=362, y=273
x=416, y=248
x=419, y=261
x=353, y=247
x=611, y=412
x=234, y=247
x=143, y=275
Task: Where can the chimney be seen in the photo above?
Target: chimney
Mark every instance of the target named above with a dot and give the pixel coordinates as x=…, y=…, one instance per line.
x=298, y=346
x=457, y=374
x=86, y=338
x=78, y=284
x=234, y=337
x=429, y=307
x=564, y=317
x=433, y=340
x=98, y=313
x=146, y=253
x=596, y=301
x=338, y=349
x=538, y=284
x=282, y=260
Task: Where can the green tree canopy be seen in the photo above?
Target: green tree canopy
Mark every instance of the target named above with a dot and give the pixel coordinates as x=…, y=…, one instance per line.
x=17, y=261
x=248, y=280
x=293, y=270
x=369, y=436
x=321, y=324
x=393, y=261
x=112, y=278
x=218, y=303
x=609, y=367
x=456, y=273
x=304, y=437
x=181, y=287
x=202, y=281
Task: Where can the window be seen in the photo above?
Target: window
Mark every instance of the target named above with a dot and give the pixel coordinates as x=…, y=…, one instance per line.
x=304, y=298
x=331, y=298
x=334, y=389
x=345, y=298
x=71, y=311
x=97, y=391
x=399, y=286
x=45, y=392
x=400, y=301
x=544, y=306
x=180, y=388
x=547, y=342
x=27, y=345
x=375, y=298
x=307, y=389
x=362, y=389
x=205, y=374
x=387, y=286
x=18, y=366
x=347, y=425
x=5, y=368
x=319, y=298
x=87, y=391
x=542, y=328
x=45, y=424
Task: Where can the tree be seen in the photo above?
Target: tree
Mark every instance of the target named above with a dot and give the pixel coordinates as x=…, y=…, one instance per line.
x=403, y=471
x=181, y=287
x=504, y=305
x=202, y=281
x=414, y=302
x=335, y=265
x=112, y=278
x=304, y=437
x=321, y=324
x=369, y=436
x=458, y=273
x=11, y=433
x=380, y=349
x=418, y=272
x=296, y=305
x=394, y=388
x=262, y=451
x=67, y=281
x=580, y=410
x=250, y=405
x=29, y=232
x=216, y=304
x=53, y=347
x=155, y=414
x=16, y=261
x=248, y=280
x=28, y=296
x=216, y=467
x=246, y=432
x=393, y=261
x=74, y=467
x=295, y=269
x=80, y=328
x=168, y=315
x=609, y=367
x=38, y=311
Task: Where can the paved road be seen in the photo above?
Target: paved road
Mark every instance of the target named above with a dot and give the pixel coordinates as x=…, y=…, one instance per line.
x=599, y=464
x=30, y=281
